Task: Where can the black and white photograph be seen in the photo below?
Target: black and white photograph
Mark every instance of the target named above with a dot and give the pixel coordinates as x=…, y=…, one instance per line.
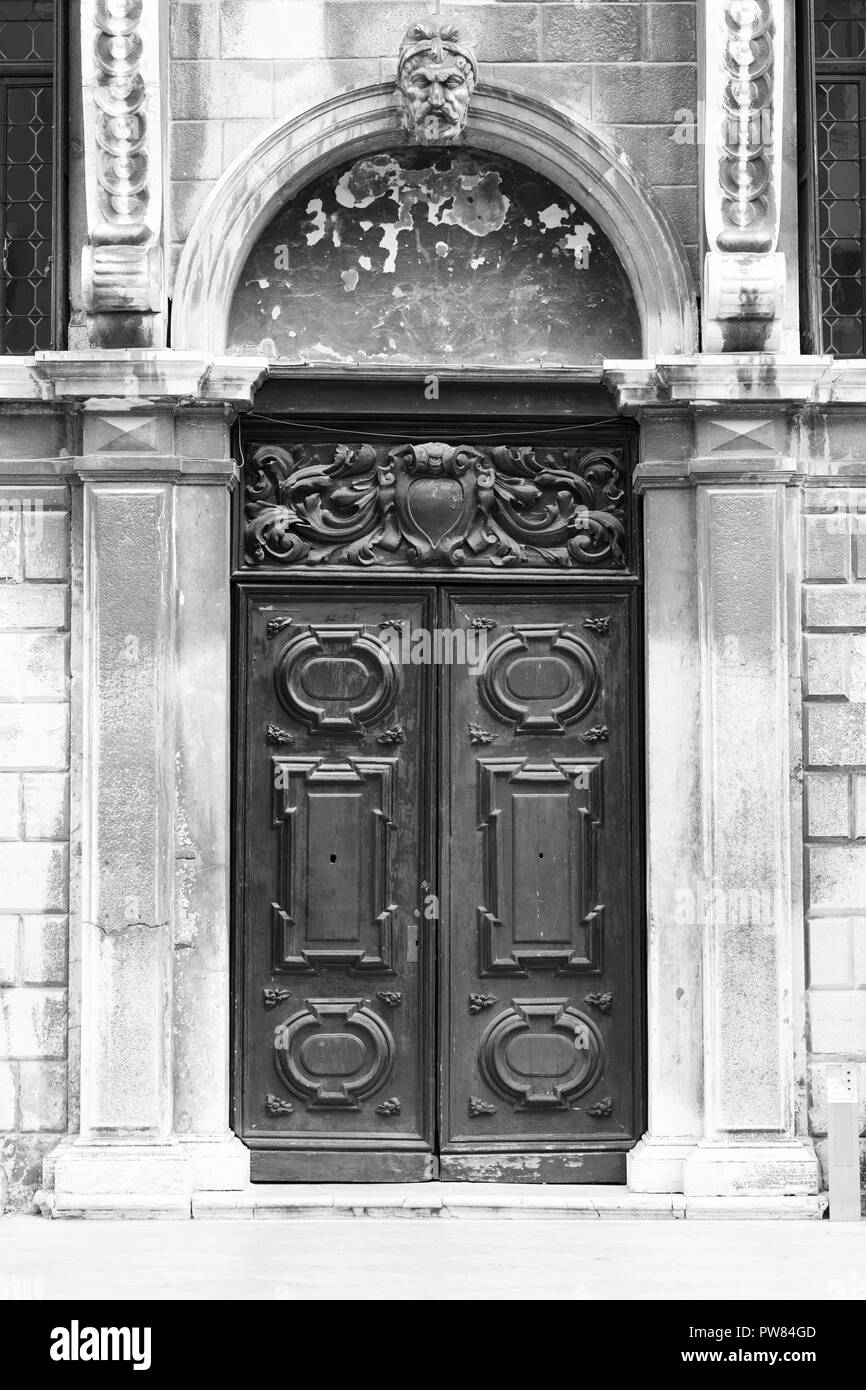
x=432, y=672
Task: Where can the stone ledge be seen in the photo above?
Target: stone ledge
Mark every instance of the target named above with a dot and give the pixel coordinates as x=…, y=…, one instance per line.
x=506, y=1201
x=749, y=378
x=132, y=375
x=139, y=377
x=278, y=1200
x=77, y=1206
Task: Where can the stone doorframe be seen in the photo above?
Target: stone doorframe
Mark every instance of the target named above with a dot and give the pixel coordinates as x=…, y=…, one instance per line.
x=152, y=933
x=150, y=942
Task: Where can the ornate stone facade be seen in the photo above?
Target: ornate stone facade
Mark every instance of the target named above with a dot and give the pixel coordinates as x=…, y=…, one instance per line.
x=133, y=441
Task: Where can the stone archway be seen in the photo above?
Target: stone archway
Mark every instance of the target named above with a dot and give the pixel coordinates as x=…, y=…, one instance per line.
x=367, y=120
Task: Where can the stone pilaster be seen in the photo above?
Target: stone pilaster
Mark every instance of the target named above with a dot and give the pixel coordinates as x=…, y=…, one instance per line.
x=157, y=475
x=124, y=47
x=674, y=957
x=725, y=969
x=746, y=46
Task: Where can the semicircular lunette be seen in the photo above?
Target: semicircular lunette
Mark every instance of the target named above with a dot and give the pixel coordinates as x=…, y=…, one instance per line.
x=434, y=255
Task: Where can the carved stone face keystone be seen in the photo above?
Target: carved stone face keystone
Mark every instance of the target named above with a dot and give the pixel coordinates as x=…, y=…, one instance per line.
x=436, y=74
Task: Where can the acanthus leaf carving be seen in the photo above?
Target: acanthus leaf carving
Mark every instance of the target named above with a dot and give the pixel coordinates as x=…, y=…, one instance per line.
x=392, y=997
x=477, y=1107
x=435, y=503
x=602, y=1108
x=273, y=997
x=389, y=1107
x=396, y=734
x=479, y=735
x=602, y=1002
x=275, y=1105
x=478, y=1002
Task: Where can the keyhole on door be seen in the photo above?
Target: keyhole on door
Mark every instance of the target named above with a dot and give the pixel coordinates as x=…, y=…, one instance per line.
x=333, y=858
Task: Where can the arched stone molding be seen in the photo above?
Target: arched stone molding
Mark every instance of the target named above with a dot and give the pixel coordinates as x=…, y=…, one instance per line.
x=502, y=121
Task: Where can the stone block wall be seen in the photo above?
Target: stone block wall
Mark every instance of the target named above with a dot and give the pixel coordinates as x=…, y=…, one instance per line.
x=34, y=828
x=238, y=66
x=834, y=742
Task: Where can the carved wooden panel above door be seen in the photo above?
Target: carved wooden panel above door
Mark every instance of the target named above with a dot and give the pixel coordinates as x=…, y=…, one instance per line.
x=435, y=503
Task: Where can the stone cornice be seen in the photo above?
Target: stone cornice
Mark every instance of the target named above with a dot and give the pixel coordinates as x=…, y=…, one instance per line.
x=130, y=469
x=752, y=379
x=152, y=377
x=128, y=376
x=713, y=472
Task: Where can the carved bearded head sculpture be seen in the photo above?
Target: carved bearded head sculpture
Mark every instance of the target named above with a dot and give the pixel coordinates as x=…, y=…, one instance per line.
x=436, y=74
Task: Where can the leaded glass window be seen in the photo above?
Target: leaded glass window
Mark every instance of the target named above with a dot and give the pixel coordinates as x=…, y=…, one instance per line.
x=27, y=171
x=840, y=113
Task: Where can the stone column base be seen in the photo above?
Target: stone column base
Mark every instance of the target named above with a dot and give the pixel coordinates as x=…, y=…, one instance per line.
x=84, y=1178
x=656, y=1164
x=767, y=1169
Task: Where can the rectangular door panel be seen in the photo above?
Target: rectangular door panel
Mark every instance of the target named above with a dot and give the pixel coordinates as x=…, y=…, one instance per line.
x=336, y=1021
x=540, y=920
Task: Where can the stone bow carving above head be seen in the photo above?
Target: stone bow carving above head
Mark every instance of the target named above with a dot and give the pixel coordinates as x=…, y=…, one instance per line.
x=436, y=74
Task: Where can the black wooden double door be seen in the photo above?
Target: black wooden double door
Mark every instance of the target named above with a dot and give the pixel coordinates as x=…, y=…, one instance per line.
x=438, y=894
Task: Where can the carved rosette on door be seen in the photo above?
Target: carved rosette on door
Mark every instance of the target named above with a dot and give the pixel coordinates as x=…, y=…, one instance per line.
x=438, y=877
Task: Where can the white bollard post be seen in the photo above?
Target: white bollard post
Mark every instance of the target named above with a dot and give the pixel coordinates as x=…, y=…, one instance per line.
x=844, y=1142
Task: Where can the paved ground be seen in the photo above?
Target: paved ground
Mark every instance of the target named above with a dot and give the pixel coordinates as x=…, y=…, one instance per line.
x=410, y=1259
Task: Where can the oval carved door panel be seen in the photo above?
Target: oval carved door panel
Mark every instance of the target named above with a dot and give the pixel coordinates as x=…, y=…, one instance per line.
x=540, y=679
x=336, y=679
x=333, y=1053
x=541, y=1053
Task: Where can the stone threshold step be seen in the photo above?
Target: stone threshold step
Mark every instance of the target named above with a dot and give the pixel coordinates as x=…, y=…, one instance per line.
x=443, y=1199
